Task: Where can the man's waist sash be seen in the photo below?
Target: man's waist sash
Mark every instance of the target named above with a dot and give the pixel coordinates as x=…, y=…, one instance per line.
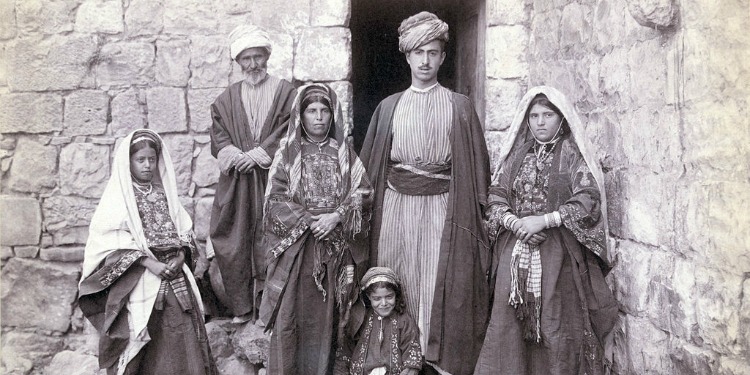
x=420, y=179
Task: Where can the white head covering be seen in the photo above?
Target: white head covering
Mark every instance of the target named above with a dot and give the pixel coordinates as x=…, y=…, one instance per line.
x=247, y=36
x=519, y=128
x=116, y=224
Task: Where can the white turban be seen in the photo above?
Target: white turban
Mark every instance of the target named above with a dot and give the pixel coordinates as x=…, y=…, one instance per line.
x=247, y=36
x=420, y=29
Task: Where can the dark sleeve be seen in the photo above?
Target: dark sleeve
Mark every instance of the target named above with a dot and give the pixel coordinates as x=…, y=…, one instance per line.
x=219, y=133
x=411, y=350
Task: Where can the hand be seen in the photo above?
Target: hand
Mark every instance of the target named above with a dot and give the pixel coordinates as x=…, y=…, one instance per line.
x=324, y=224
x=538, y=238
x=156, y=267
x=201, y=266
x=528, y=226
x=245, y=164
x=174, y=267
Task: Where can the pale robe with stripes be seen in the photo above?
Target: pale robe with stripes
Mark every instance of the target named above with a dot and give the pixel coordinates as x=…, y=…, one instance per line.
x=258, y=100
x=412, y=225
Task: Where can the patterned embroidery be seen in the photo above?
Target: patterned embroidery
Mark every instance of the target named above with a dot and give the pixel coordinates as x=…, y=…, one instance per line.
x=111, y=272
x=572, y=218
x=279, y=228
x=158, y=227
x=322, y=179
x=531, y=186
x=294, y=234
x=358, y=365
x=395, y=352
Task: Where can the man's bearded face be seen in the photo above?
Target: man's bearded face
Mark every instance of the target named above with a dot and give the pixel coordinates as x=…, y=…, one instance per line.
x=254, y=62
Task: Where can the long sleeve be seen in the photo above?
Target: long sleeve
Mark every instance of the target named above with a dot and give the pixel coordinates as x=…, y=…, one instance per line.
x=411, y=351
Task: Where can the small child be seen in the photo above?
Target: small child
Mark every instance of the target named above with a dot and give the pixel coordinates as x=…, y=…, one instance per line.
x=388, y=341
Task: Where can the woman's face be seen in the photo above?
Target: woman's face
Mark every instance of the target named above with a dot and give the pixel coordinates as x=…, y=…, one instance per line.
x=143, y=164
x=317, y=119
x=383, y=301
x=544, y=122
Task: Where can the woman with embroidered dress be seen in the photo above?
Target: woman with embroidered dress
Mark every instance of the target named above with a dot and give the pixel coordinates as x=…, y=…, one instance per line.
x=313, y=225
x=136, y=287
x=551, y=308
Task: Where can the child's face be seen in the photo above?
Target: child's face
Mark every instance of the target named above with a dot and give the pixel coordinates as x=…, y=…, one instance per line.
x=383, y=301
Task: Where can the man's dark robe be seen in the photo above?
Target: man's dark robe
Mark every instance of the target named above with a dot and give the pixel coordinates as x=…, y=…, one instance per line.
x=237, y=212
x=461, y=305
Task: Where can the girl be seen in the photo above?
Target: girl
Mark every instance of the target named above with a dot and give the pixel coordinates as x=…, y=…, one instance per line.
x=136, y=288
x=388, y=342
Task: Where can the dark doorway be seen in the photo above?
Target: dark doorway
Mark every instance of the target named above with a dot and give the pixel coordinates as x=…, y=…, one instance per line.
x=379, y=69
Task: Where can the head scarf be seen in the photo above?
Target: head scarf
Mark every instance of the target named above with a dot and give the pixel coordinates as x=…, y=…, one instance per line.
x=289, y=154
x=148, y=136
x=420, y=29
x=378, y=274
x=519, y=133
x=247, y=36
x=116, y=224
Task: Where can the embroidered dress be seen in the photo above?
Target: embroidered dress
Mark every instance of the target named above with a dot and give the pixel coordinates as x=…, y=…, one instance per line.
x=147, y=325
x=549, y=315
x=310, y=285
x=391, y=342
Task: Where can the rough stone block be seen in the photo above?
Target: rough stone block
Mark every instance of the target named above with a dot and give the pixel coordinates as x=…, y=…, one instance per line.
x=745, y=315
x=494, y=140
x=84, y=169
x=234, y=365
x=330, y=12
x=15, y=110
x=345, y=93
x=190, y=17
x=718, y=296
x=70, y=236
x=647, y=359
x=62, y=254
x=504, y=96
x=166, y=110
x=615, y=77
x=647, y=64
x=654, y=13
x=33, y=168
x=181, y=151
x=642, y=220
x=609, y=29
x=100, y=16
x=689, y=359
x=575, y=30
x=144, y=17
x=649, y=146
x=14, y=363
x=26, y=251
x=543, y=46
x=718, y=208
x=73, y=363
x=125, y=64
x=52, y=63
x=26, y=346
x=6, y=252
x=632, y=276
x=199, y=107
x=209, y=62
x=506, y=52
x=250, y=342
x=3, y=62
x=503, y=12
x=734, y=366
x=289, y=16
x=281, y=62
x=127, y=113
x=218, y=338
x=46, y=17
x=37, y=288
x=7, y=20
x=323, y=54
x=202, y=218
x=86, y=113
x=172, y=62
x=206, y=168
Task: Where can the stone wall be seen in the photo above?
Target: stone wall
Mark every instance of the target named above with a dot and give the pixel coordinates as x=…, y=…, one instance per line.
x=78, y=75
x=663, y=86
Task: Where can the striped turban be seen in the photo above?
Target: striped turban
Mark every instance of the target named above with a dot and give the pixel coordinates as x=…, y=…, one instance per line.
x=247, y=36
x=420, y=29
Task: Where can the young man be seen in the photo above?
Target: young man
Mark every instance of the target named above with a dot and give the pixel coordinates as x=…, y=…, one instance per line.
x=427, y=160
x=248, y=122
